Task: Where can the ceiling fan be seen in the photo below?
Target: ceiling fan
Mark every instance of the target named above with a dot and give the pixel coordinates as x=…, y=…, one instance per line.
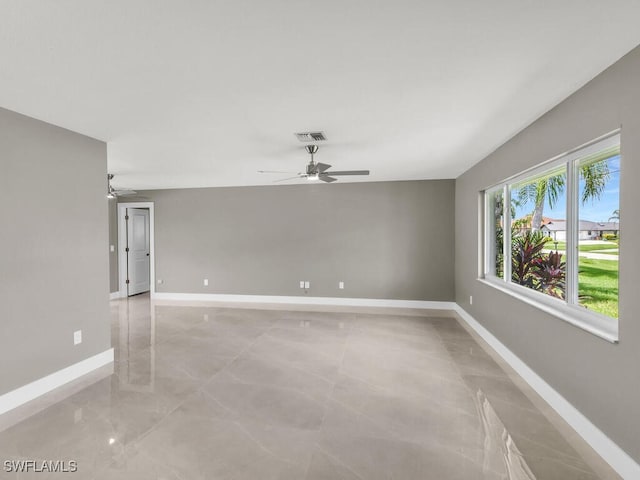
x=317, y=171
x=113, y=193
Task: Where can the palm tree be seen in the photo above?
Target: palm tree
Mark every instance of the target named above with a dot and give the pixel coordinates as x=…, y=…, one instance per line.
x=615, y=216
x=549, y=189
x=594, y=174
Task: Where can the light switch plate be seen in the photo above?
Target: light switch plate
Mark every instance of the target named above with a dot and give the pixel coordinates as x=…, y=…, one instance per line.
x=77, y=337
x=307, y=285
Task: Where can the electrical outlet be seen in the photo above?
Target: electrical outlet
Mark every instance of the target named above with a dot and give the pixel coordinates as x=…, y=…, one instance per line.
x=160, y=281
x=341, y=285
x=307, y=285
x=77, y=337
x=112, y=248
x=470, y=299
x=206, y=282
x=301, y=283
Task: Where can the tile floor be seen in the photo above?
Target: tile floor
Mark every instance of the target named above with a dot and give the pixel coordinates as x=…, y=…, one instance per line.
x=228, y=393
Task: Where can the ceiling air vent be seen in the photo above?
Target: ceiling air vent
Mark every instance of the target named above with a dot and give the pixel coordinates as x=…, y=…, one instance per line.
x=307, y=137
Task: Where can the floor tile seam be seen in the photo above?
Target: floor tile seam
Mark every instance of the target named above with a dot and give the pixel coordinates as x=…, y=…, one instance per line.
x=546, y=448
x=373, y=420
x=556, y=461
x=308, y=467
x=231, y=362
x=542, y=416
x=234, y=413
x=416, y=335
x=413, y=396
x=322, y=337
x=393, y=342
x=238, y=380
x=189, y=375
x=348, y=407
x=519, y=446
x=157, y=424
x=431, y=447
x=154, y=427
x=330, y=397
x=296, y=368
x=439, y=372
x=541, y=406
x=461, y=377
x=531, y=409
x=234, y=420
x=396, y=436
x=434, y=408
x=173, y=377
x=261, y=446
x=148, y=347
x=299, y=346
x=335, y=384
x=148, y=457
x=321, y=334
x=234, y=359
x=446, y=377
x=100, y=413
x=339, y=462
x=304, y=372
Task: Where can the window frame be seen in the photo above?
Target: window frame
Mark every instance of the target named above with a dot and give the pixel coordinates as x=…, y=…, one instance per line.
x=568, y=309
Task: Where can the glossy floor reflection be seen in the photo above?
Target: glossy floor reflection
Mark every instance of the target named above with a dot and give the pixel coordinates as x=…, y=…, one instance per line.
x=227, y=393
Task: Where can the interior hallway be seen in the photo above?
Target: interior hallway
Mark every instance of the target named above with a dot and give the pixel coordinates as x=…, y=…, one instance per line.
x=228, y=393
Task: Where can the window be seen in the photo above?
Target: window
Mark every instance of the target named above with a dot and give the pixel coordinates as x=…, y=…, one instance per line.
x=560, y=250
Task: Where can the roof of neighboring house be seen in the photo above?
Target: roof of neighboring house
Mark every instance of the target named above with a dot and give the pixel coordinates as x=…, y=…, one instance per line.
x=561, y=225
x=525, y=222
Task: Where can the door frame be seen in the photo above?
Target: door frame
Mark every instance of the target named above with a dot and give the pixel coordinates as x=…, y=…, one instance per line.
x=122, y=242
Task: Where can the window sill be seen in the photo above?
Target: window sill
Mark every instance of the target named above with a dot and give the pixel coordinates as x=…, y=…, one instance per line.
x=600, y=326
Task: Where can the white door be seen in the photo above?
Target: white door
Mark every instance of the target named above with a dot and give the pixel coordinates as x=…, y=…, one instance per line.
x=138, y=250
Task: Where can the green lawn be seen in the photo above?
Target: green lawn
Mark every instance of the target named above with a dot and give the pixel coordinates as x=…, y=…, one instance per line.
x=586, y=248
x=598, y=285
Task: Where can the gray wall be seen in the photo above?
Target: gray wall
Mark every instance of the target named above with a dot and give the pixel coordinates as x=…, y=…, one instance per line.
x=54, y=265
x=599, y=378
x=113, y=240
x=384, y=240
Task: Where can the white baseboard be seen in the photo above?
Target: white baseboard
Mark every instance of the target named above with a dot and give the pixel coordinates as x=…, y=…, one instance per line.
x=333, y=301
x=114, y=295
x=621, y=462
x=30, y=391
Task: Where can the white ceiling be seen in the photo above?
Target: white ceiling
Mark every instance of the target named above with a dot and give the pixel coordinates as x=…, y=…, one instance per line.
x=204, y=93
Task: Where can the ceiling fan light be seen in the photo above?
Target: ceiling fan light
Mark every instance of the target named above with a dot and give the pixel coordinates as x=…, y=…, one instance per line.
x=313, y=178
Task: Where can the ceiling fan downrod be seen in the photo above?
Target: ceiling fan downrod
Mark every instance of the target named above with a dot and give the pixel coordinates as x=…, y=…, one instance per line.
x=311, y=168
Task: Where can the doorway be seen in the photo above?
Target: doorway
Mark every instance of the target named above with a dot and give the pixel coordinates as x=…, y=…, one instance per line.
x=136, y=248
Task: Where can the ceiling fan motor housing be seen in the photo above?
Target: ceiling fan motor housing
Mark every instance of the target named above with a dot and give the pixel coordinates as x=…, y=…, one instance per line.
x=311, y=168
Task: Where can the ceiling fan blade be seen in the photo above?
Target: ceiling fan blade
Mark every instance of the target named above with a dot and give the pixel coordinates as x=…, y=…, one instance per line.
x=274, y=171
x=289, y=178
x=125, y=193
x=349, y=172
x=321, y=167
x=326, y=178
